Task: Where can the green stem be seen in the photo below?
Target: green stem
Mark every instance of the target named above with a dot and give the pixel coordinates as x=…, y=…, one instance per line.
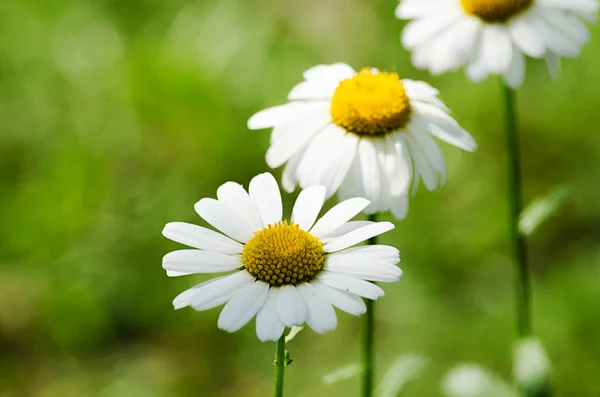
x=369, y=330
x=519, y=248
x=279, y=367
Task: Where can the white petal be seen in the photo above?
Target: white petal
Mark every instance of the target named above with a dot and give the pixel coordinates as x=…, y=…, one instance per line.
x=223, y=218
x=197, y=261
x=422, y=92
x=496, y=48
x=183, y=299
x=338, y=215
x=307, y=206
x=344, y=229
x=396, y=165
x=371, y=269
x=213, y=293
x=369, y=174
x=320, y=314
x=555, y=40
x=201, y=238
x=411, y=9
x=236, y=197
x=358, y=235
x=344, y=301
x=377, y=252
x=515, y=74
x=336, y=72
x=432, y=152
x=384, y=164
x=350, y=186
x=322, y=157
x=314, y=90
x=283, y=114
x=268, y=325
x=525, y=37
x=243, y=306
x=586, y=9
x=419, y=31
x=582, y=6
x=553, y=63
x=452, y=49
x=288, y=176
x=291, y=306
x=569, y=25
x=265, y=194
x=399, y=207
x=293, y=137
x=442, y=126
x=476, y=68
x=422, y=165
x=350, y=284
x=339, y=162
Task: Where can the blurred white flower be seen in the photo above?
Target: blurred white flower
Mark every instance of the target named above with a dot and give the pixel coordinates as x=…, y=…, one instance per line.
x=368, y=134
x=531, y=364
x=469, y=380
x=492, y=36
x=284, y=273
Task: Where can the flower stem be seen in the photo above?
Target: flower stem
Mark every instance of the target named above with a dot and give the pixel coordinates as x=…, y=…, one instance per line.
x=369, y=328
x=519, y=248
x=279, y=367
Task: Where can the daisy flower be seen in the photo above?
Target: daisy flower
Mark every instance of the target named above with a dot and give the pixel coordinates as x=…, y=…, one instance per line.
x=366, y=134
x=492, y=36
x=284, y=273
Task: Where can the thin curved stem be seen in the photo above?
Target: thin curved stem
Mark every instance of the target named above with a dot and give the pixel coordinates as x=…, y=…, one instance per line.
x=279, y=367
x=368, y=341
x=519, y=247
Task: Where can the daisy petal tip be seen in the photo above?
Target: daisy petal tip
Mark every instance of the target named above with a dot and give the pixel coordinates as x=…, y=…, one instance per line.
x=387, y=225
x=255, y=123
x=173, y=273
x=166, y=229
x=288, y=188
x=177, y=305
x=265, y=176
x=200, y=204
x=264, y=339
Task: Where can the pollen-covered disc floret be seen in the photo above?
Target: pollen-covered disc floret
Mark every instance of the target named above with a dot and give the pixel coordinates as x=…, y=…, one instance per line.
x=495, y=10
x=283, y=254
x=371, y=103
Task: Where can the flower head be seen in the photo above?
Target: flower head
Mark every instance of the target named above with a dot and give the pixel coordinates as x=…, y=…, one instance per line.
x=366, y=133
x=283, y=272
x=493, y=36
x=531, y=365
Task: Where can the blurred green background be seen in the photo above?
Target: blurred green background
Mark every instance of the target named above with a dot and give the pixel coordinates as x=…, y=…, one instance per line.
x=117, y=116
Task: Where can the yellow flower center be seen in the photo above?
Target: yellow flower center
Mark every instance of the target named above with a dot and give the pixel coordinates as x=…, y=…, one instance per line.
x=495, y=10
x=283, y=254
x=371, y=103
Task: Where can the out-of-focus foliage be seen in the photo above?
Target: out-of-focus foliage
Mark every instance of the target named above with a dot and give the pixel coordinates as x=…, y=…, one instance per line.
x=542, y=209
x=117, y=116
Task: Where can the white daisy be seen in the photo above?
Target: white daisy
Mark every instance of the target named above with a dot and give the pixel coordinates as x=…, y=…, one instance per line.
x=284, y=273
x=367, y=134
x=492, y=36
